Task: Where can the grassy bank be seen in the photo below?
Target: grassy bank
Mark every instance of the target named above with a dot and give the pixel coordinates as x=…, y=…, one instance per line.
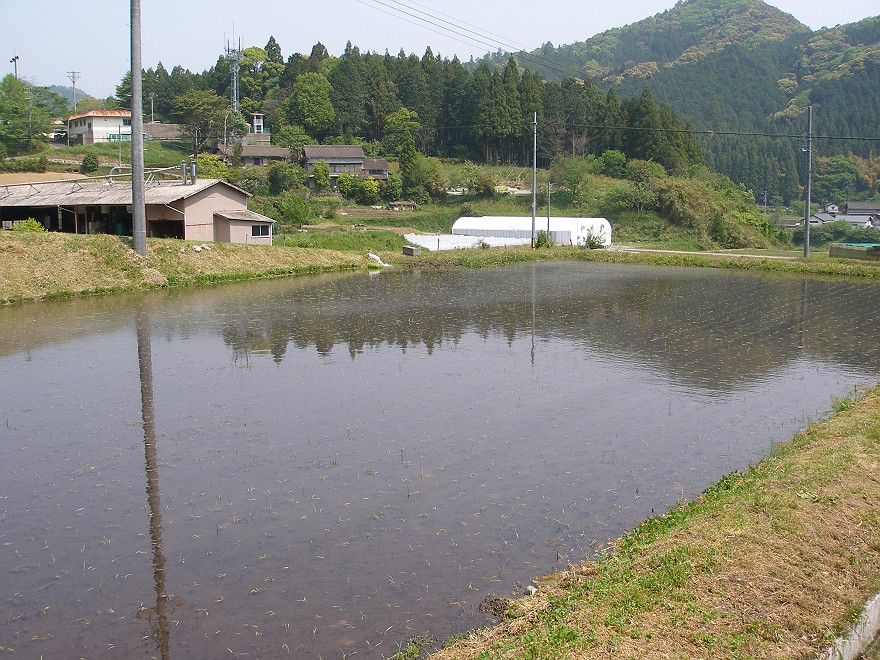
x=771, y=563
x=35, y=266
x=477, y=258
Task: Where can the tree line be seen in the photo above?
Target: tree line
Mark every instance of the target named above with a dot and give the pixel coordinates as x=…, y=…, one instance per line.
x=485, y=115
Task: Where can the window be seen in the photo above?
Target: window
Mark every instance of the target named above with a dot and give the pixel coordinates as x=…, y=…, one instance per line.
x=126, y=122
x=259, y=230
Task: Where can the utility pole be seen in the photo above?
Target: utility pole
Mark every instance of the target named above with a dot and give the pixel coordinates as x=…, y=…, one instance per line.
x=138, y=204
x=534, y=175
x=548, y=208
x=74, y=76
x=809, y=150
x=14, y=63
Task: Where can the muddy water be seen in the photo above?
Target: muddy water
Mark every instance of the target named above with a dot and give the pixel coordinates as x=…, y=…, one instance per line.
x=330, y=465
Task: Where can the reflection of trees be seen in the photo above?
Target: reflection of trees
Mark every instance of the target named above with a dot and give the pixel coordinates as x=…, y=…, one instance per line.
x=707, y=328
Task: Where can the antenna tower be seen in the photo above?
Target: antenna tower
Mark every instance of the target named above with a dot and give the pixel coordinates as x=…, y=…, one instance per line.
x=234, y=56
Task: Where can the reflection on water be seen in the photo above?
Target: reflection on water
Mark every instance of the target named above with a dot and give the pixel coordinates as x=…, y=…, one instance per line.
x=158, y=615
x=349, y=461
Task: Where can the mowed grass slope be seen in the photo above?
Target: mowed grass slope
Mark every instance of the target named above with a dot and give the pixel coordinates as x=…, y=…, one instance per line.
x=35, y=266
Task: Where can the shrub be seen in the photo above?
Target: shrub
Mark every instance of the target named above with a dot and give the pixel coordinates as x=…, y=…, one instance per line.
x=28, y=225
x=89, y=163
x=839, y=231
x=543, y=239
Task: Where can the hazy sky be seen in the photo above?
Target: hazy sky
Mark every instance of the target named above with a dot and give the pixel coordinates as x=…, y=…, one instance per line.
x=52, y=37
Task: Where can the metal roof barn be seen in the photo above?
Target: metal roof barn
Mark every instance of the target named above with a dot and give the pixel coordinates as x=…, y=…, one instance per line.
x=563, y=231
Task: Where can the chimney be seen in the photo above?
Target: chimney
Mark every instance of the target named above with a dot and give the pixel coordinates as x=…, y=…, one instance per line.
x=192, y=171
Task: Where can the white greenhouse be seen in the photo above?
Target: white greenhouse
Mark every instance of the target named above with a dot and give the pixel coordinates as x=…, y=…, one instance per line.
x=563, y=231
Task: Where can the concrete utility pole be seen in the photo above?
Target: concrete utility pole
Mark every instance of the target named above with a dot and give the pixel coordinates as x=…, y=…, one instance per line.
x=74, y=76
x=809, y=150
x=534, y=175
x=138, y=205
x=14, y=62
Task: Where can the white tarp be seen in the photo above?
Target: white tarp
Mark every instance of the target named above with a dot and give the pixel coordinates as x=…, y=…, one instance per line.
x=563, y=231
x=450, y=242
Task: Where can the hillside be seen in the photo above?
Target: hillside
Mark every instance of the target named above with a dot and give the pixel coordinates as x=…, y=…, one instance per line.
x=680, y=36
x=740, y=66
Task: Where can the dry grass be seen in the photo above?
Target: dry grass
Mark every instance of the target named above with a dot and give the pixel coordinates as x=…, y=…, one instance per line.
x=27, y=177
x=770, y=564
x=34, y=266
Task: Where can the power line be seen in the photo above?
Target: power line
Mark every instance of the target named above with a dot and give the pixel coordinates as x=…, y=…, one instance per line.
x=456, y=33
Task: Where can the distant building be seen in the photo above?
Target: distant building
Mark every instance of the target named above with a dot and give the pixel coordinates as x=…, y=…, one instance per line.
x=343, y=158
x=206, y=210
x=97, y=126
x=257, y=133
x=825, y=218
x=871, y=209
x=256, y=154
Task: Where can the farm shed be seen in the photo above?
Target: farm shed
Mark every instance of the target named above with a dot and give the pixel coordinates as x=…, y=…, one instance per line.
x=205, y=210
x=563, y=231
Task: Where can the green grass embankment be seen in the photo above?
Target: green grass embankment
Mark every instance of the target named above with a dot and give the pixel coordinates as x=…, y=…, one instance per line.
x=772, y=563
x=37, y=266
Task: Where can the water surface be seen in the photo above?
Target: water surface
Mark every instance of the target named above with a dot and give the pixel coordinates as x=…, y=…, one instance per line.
x=331, y=465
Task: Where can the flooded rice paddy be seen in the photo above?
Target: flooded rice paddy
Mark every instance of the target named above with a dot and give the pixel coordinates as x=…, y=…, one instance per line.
x=329, y=466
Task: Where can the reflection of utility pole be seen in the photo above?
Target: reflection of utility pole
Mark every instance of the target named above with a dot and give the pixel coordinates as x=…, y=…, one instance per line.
x=158, y=615
x=533, y=314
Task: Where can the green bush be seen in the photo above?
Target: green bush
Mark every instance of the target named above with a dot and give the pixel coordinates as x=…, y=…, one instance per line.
x=543, y=239
x=28, y=225
x=89, y=163
x=839, y=231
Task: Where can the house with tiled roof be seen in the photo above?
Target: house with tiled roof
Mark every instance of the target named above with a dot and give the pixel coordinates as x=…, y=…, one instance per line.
x=341, y=158
x=256, y=154
x=871, y=209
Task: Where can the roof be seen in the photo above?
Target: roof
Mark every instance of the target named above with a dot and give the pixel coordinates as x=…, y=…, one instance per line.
x=257, y=151
x=242, y=214
x=323, y=151
x=861, y=208
x=852, y=219
x=375, y=164
x=79, y=192
x=101, y=113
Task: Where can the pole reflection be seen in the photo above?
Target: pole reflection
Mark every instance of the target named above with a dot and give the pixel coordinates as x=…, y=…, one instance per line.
x=157, y=615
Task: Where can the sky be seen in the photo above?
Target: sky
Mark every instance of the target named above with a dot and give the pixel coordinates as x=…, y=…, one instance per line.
x=52, y=38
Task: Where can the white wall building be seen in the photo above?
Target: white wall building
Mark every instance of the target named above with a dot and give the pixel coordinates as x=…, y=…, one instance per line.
x=563, y=231
x=97, y=126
